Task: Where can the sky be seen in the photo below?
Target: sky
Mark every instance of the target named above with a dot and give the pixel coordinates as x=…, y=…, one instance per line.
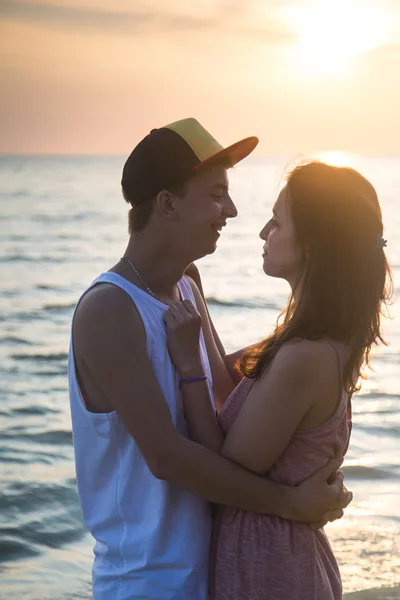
x=95, y=76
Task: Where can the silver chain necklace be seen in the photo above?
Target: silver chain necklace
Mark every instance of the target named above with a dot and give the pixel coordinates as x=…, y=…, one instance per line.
x=139, y=276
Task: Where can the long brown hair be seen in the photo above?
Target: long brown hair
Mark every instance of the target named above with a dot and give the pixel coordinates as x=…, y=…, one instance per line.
x=345, y=279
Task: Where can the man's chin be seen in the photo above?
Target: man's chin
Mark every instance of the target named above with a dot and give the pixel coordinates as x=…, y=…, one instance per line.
x=210, y=250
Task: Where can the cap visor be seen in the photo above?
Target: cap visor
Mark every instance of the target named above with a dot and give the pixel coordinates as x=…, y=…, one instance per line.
x=236, y=152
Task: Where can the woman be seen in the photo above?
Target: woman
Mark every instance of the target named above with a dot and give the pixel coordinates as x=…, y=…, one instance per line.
x=291, y=410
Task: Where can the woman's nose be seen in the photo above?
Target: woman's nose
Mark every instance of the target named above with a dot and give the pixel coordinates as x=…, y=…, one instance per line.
x=264, y=232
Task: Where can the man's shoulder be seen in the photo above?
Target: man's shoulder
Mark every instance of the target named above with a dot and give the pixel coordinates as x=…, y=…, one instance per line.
x=105, y=305
x=103, y=296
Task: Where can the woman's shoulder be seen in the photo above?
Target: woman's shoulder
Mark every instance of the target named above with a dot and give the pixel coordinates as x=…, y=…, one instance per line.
x=305, y=364
x=301, y=353
x=310, y=370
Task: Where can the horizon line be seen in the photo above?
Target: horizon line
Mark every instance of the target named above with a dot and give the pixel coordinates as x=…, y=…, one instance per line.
x=286, y=155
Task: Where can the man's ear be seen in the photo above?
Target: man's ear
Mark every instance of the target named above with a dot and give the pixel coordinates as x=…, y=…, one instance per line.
x=166, y=205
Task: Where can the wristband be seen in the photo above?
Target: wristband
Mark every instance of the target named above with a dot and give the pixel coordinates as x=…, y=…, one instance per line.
x=191, y=380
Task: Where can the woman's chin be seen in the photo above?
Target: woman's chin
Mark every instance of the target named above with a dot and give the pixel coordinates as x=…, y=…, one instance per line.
x=266, y=266
x=270, y=271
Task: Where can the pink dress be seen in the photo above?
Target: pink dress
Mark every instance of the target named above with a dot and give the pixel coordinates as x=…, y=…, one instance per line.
x=263, y=557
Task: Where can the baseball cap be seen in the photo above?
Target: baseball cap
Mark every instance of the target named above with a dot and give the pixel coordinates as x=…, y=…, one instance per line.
x=166, y=156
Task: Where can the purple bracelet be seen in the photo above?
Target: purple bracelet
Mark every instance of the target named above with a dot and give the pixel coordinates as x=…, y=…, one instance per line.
x=192, y=380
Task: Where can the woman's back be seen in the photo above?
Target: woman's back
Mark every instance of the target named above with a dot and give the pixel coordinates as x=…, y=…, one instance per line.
x=265, y=557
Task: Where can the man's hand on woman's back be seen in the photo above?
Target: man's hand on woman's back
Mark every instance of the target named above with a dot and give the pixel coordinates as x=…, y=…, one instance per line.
x=323, y=497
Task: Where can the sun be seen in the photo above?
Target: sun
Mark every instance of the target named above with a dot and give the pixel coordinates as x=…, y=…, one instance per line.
x=336, y=158
x=331, y=33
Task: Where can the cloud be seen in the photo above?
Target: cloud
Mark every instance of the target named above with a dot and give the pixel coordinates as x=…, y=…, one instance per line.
x=73, y=17
x=227, y=17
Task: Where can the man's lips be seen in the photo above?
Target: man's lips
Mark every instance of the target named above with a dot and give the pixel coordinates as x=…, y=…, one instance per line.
x=217, y=227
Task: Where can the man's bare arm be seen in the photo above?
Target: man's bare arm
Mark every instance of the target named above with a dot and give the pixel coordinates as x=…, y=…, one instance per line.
x=109, y=336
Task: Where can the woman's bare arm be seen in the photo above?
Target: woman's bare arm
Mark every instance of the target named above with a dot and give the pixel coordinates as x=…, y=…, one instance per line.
x=223, y=366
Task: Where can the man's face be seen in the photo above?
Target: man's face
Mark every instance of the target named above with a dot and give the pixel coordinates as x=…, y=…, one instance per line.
x=203, y=211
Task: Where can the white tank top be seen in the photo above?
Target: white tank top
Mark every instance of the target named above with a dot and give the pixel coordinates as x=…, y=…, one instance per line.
x=152, y=537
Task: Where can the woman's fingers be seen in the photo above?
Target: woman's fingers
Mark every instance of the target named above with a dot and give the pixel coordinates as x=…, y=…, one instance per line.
x=190, y=308
x=182, y=313
x=176, y=313
x=168, y=318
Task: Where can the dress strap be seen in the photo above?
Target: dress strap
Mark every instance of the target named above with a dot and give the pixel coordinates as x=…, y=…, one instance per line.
x=340, y=360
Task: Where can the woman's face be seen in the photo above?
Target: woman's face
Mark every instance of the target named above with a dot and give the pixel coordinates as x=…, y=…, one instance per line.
x=282, y=255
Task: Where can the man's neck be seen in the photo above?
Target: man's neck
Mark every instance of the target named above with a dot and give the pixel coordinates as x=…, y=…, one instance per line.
x=159, y=268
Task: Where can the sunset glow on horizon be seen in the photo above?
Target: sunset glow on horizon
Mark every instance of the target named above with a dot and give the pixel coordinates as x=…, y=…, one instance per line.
x=95, y=76
x=336, y=158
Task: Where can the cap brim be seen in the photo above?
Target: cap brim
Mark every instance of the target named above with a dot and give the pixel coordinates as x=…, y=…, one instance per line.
x=235, y=153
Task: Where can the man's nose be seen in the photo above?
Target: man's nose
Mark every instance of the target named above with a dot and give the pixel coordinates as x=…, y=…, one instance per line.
x=230, y=210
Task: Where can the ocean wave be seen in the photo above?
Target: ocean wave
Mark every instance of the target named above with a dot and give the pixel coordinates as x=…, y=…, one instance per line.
x=12, y=548
x=60, y=356
x=60, y=371
x=56, y=436
x=387, y=357
x=44, y=286
x=377, y=396
x=384, y=429
x=14, y=341
x=37, y=259
x=26, y=496
x=12, y=456
x=362, y=413
x=362, y=472
x=15, y=237
x=20, y=193
x=39, y=514
x=10, y=293
x=56, y=218
x=37, y=533
x=383, y=593
x=24, y=316
x=76, y=595
x=34, y=410
x=59, y=307
x=212, y=301
x=60, y=436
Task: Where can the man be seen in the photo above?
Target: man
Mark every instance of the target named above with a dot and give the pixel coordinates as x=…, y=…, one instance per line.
x=144, y=486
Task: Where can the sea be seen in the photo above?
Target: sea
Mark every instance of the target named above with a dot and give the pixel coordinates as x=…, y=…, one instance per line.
x=62, y=222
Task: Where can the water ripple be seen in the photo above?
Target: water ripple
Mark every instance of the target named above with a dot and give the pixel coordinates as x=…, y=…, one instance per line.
x=60, y=356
